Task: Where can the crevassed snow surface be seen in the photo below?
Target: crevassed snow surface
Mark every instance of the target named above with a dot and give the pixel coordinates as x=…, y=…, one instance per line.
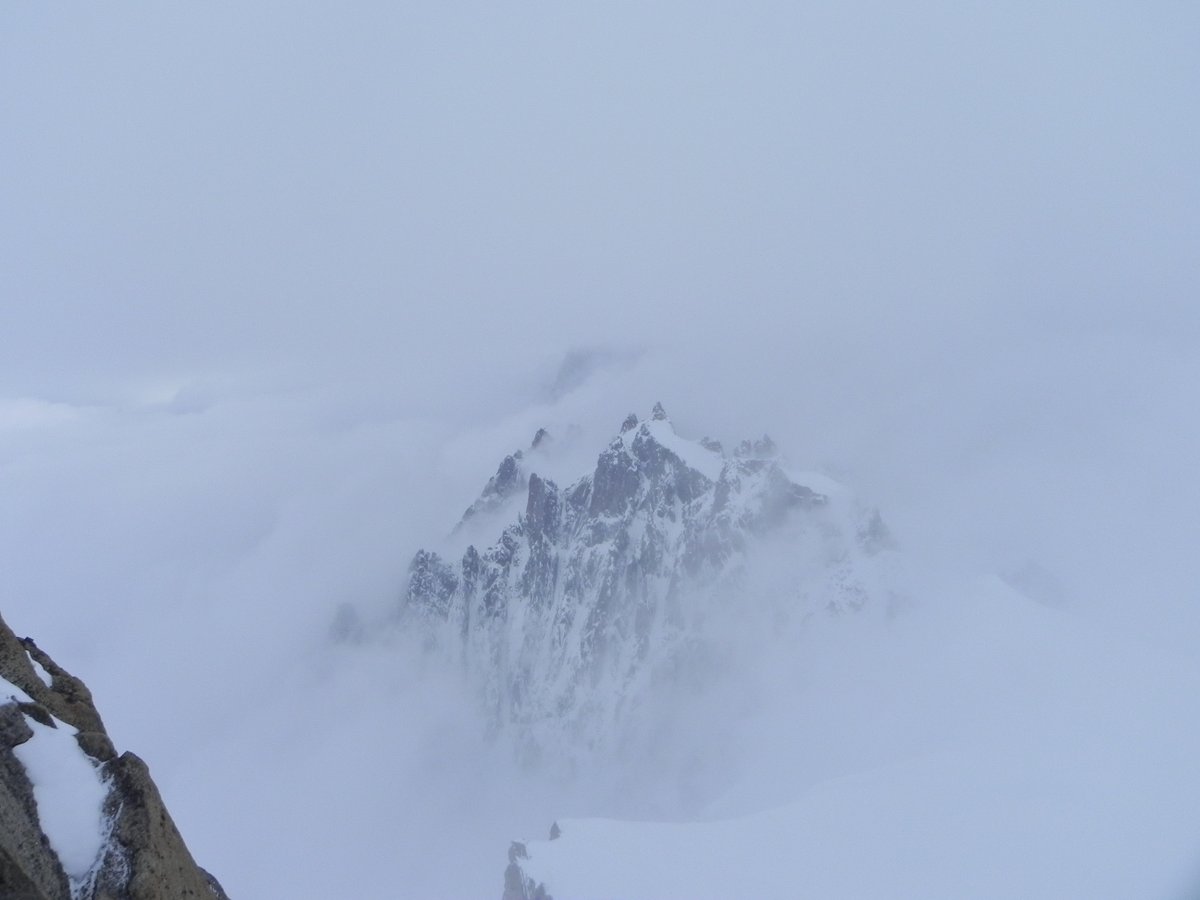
x=1069, y=772
x=68, y=790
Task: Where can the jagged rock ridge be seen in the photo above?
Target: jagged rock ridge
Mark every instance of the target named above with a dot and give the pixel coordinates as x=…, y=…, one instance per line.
x=518, y=885
x=595, y=586
x=509, y=480
x=141, y=855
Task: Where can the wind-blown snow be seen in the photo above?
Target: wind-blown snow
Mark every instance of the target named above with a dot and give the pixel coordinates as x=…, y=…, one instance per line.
x=707, y=462
x=819, y=482
x=68, y=790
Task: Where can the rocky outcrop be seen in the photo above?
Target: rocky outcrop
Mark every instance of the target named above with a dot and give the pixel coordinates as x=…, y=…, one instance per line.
x=142, y=855
x=518, y=885
x=510, y=479
x=29, y=870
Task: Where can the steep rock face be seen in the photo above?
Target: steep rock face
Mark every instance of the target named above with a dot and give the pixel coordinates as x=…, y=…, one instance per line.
x=510, y=479
x=140, y=854
x=29, y=870
x=518, y=885
x=595, y=587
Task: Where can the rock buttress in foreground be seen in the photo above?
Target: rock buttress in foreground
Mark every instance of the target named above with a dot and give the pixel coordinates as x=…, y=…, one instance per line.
x=142, y=855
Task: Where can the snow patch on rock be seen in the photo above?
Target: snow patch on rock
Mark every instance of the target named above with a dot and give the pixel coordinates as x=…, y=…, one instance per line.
x=41, y=672
x=70, y=795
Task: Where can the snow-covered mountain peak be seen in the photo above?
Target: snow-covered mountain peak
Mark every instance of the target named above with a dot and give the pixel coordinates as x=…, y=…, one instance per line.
x=583, y=595
x=645, y=440
x=510, y=480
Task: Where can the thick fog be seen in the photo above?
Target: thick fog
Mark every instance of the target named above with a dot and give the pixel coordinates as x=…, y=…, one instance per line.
x=280, y=284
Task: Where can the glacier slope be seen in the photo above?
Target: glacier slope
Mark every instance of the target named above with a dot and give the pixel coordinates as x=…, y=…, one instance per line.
x=1010, y=751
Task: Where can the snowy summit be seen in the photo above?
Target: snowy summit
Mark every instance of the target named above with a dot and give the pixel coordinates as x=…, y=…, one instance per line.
x=596, y=589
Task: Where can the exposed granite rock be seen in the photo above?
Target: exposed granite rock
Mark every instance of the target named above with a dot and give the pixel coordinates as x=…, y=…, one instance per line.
x=144, y=857
x=518, y=885
x=431, y=579
x=147, y=858
x=14, y=730
x=509, y=480
x=67, y=698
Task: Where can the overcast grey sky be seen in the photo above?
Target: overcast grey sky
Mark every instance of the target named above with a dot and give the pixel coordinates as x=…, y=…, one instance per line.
x=396, y=190
x=946, y=248
x=929, y=242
